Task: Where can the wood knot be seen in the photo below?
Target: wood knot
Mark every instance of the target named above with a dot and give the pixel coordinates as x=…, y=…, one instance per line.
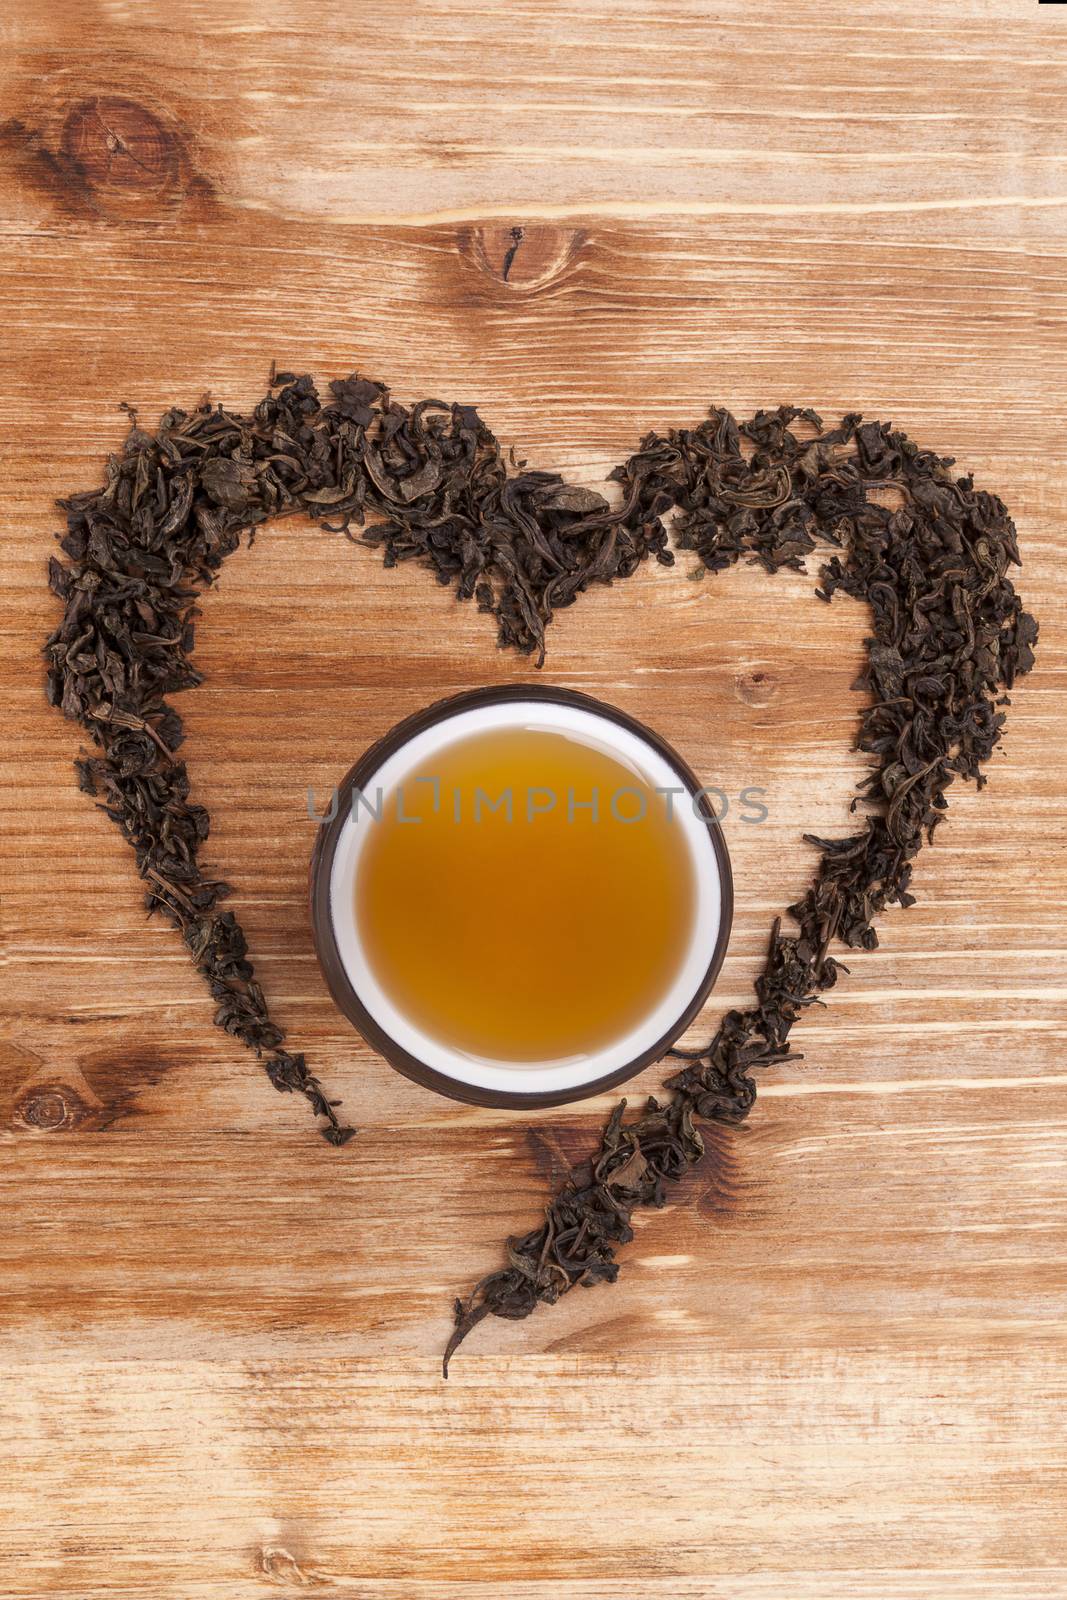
x=756, y=686
x=86, y=1103
x=521, y=257
x=278, y=1566
x=51, y=1108
x=122, y=154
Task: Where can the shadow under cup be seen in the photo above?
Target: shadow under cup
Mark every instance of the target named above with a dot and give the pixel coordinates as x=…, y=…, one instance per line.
x=410, y=748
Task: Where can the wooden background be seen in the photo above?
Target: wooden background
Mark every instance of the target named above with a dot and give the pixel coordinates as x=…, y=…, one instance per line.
x=833, y=1369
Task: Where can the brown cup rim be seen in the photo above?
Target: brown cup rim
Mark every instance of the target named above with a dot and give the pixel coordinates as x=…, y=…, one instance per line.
x=320, y=873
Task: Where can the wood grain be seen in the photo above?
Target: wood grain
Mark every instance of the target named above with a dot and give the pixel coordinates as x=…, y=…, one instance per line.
x=834, y=1366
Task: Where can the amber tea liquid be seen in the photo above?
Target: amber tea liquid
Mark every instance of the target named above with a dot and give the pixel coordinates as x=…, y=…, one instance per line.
x=531, y=899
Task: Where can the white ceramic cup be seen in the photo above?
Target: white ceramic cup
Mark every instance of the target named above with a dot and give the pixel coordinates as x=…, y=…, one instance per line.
x=410, y=748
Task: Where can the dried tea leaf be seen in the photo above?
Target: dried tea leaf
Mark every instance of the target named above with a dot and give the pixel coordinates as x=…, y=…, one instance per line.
x=569, y=497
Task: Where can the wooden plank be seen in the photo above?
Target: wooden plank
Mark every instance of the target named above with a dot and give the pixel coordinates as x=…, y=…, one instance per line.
x=314, y=1501
x=833, y=1366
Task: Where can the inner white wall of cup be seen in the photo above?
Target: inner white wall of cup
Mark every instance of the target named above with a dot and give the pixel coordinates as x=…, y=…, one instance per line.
x=525, y=1077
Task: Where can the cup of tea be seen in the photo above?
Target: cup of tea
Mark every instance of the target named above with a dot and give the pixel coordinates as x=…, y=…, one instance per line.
x=521, y=896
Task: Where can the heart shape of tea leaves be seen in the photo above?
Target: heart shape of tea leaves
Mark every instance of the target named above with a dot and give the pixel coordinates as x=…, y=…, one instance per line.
x=948, y=636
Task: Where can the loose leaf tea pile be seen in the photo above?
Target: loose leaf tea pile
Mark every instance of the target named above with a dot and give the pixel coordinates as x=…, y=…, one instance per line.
x=926, y=550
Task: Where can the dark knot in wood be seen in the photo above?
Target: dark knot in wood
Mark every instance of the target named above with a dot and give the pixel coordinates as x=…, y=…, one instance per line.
x=520, y=257
x=756, y=686
x=50, y=1109
x=121, y=152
